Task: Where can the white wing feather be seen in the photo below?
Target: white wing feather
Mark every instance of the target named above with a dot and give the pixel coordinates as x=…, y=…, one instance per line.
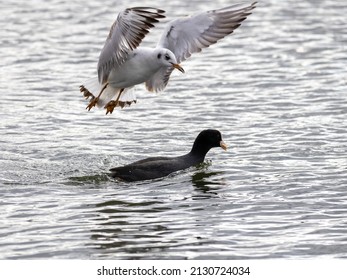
x=185, y=36
x=126, y=35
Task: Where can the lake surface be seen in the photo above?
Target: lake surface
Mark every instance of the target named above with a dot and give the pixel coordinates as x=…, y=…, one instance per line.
x=276, y=89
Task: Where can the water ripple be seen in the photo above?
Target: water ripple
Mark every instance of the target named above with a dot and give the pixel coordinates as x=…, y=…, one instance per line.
x=276, y=90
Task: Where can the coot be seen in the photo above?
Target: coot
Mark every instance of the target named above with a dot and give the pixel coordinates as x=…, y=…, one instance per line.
x=157, y=167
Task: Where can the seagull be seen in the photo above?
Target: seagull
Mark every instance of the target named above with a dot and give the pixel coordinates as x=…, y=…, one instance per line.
x=123, y=63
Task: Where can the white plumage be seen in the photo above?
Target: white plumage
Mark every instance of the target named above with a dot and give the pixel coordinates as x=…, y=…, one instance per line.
x=123, y=64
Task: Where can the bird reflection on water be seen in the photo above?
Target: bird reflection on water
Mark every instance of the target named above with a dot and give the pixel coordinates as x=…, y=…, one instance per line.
x=205, y=185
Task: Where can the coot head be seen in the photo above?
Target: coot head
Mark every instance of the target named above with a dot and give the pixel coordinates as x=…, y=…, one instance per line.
x=207, y=139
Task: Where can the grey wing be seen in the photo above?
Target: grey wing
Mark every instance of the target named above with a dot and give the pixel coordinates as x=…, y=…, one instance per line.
x=159, y=80
x=125, y=35
x=185, y=36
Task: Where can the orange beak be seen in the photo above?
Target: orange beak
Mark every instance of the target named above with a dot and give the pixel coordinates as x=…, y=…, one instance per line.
x=178, y=67
x=223, y=145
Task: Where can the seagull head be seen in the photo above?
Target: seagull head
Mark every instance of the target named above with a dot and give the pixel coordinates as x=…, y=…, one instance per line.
x=167, y=58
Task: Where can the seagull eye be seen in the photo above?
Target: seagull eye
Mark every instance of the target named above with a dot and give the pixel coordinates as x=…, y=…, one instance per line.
x=167, y=57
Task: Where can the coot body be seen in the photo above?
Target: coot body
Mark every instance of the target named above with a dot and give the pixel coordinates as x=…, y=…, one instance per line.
x=157, y=167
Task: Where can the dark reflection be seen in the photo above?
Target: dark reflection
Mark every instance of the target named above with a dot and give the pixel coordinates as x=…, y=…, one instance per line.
x=122, y=206
x=206, y=184
x=200, y=180
x=121, y=228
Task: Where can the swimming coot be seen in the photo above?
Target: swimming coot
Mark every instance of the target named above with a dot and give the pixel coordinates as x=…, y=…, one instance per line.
x=157, y=167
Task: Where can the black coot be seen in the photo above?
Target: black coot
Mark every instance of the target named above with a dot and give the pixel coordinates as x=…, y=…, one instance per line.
x=156, y=167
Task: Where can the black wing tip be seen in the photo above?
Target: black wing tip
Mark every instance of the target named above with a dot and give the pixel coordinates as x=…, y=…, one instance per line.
x=253, y=5
x=150, y=10
x=246, y=7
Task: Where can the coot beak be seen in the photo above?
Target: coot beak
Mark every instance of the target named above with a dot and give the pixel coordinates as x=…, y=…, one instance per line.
x=223, y=145
x=178, y=67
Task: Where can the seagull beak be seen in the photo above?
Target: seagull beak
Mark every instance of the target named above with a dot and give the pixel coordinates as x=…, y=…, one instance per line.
x=223, y=145
x=178, y=67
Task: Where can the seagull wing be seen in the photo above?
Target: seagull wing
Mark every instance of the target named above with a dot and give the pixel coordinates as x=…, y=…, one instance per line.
x=125, y=35
x=185, y=36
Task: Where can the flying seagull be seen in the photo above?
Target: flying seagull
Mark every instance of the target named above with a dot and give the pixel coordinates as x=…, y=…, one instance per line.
x=123, y=64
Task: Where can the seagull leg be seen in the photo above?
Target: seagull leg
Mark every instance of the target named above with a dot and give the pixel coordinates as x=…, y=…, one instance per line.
x=113, y=103
x=94, y=99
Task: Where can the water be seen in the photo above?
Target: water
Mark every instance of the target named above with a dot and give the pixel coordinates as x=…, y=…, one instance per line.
x=276, y=89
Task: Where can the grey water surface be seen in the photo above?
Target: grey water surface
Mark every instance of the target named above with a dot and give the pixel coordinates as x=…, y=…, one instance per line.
x=276, y=89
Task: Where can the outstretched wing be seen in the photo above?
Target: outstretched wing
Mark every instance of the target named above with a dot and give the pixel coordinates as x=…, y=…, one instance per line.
x=185, y=36
x=125, y=35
